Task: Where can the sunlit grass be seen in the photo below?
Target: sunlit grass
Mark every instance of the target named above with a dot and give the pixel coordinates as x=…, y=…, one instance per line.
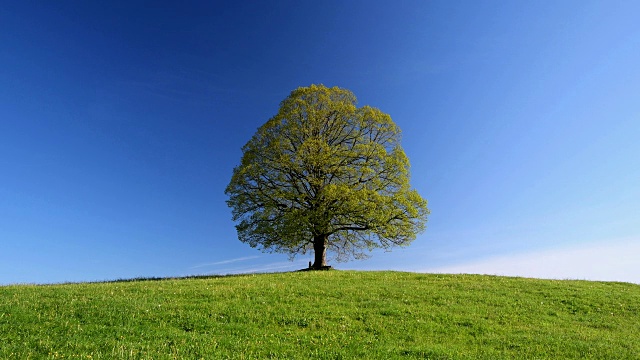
x=323, y=315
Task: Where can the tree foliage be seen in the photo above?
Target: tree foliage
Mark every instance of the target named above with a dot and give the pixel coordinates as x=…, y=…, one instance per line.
x=325, y=174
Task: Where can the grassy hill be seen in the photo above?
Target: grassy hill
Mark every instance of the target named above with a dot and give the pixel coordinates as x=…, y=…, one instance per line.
x=322, y=315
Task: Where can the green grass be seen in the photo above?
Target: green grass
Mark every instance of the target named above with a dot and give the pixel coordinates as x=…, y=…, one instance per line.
x=322, y=315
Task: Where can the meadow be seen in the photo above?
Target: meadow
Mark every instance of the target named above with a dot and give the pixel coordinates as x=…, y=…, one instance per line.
x=322, y=315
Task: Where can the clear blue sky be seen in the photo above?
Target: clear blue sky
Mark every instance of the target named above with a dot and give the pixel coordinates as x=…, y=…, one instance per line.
x=121, y=122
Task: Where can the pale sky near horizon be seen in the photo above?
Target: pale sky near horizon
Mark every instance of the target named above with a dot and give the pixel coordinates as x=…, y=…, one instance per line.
x=121, y=122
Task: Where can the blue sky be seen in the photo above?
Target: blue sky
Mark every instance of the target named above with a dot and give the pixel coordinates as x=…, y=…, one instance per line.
x=121, y=122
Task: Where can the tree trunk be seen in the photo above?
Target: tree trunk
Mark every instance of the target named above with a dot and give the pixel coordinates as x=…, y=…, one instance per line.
x=320, y=250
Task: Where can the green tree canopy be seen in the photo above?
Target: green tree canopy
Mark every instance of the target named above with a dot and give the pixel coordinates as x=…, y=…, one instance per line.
x=324, y=174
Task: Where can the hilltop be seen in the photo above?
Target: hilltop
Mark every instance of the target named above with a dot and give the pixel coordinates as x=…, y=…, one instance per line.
x=323, y=315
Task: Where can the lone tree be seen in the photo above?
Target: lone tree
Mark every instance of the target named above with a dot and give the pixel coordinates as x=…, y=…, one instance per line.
x=323, y=174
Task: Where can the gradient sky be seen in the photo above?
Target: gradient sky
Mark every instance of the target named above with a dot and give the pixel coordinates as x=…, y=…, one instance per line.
x=121, y=122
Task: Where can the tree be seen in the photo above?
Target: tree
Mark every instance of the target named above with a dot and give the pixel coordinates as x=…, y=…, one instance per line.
x=323, y=174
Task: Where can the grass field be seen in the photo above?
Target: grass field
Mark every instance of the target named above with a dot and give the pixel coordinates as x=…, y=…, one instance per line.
x=322, y=315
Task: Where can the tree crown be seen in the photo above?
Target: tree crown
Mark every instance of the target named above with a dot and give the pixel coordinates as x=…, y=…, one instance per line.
x=324, y=168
